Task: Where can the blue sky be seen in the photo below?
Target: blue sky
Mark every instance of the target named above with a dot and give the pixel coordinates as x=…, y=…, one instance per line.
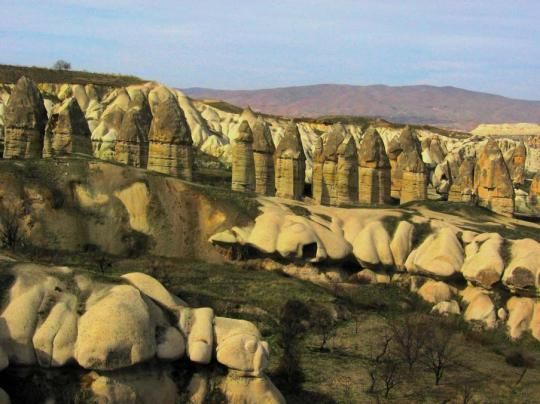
x=491, y=46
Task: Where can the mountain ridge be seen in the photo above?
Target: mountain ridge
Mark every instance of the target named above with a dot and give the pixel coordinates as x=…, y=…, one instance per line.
x=446, y=106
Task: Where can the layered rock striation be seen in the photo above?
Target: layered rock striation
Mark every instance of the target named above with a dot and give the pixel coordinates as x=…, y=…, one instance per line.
x=373, y=170
x=67, y=131
x=243, y=166
x=170, y=144
x=290, y=164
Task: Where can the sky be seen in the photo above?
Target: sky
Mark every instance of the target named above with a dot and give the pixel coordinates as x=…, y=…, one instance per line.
x=491, y=46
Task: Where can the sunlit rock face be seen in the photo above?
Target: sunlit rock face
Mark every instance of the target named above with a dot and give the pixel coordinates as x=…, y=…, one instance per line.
x=170, y=151
x=131, y=146
x=67, y=131
x=25, y=118
x=243, y=166
x=335, y=172
x=263, y=156
x=290, y=165
x=492, y=181
x=515, y=159
x=374, y=170
x=462, y=188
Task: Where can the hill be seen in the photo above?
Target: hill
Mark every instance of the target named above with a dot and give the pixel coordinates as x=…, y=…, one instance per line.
x=10, y=74
x=448, y=107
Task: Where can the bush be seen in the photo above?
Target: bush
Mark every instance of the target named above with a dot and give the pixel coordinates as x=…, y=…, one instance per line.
x=62, y=65
x=322, y=324
x=10, y=231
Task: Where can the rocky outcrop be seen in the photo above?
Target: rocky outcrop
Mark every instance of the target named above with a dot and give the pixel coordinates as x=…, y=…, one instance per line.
x=335, y=168
x=25, y=118
x=170, y=144
x=290, y=164
x=462, y=187
x=57, y=315
x=243, y=166
x=515, y=159
x=131, y=145
x=374, y=170
x=413, y=170
x=492, y=181
x=263, y=156
x=106, y=132
x=67, y=131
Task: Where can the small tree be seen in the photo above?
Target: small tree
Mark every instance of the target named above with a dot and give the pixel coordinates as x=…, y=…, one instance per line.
x=10, y=230
x=520, y=360
x=61, y=64
x=322, y=323
x=383, y=367
x=440, y=353
x=409, y=335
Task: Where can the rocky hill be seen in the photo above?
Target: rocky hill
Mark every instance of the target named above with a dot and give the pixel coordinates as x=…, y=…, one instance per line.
x=448, y=107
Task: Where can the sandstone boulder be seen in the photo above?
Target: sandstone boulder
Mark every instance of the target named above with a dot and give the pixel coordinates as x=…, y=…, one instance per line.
x=440, y=255
x=115, y=331
x=435, y=292
x=153, y=289
x=483, y=264
x=463, y=184
x=520, y=312
x=263, y=157
x=523, y=271
x=446, y=307
x=372, y=245
x=515, y=160
x=25, y=118
x=401, y=244
x=197, y=325
x=481, y=309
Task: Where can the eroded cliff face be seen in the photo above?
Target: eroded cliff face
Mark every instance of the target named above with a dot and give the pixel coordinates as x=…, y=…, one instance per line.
x=213, y=125
x=76, y=204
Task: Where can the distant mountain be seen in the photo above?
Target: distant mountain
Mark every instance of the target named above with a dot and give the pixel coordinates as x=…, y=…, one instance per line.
x=448, y=107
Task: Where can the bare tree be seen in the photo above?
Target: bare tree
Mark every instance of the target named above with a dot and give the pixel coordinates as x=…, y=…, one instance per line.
x=10, y=230
x=409, y=336
x=440, y=353
x=61, y=64
x=322, y=323
x=383, y=367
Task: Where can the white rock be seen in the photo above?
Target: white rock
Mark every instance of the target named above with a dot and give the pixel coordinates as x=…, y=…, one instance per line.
x=372, y=245
x=484, y=267
x=520, y=312
x=172, y=345
x=481, y=309
x=197, y=324
x=523, y=271
x=401, y=244
x=446, y=307
x=116, y=331
x=153, y=289
x=435, y=292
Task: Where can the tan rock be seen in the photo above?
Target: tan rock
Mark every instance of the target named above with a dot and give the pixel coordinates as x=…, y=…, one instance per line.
x=481, y=309
x=372, y=245
x=155, y=290
x=290, y=165
x=115, y=331
x=263, y=156
x=440, y=255
x=401, y=244
x=534, y=324
x=197, y=324
x=131, y=145
x=170, y=151
x=485, y=266
x=243, y=165
x=251, y=390
x=67, y=131
x=492, y=181
x=515, y=160
x=171, y=345
x=435, y=292
x=520, y=312
x=523, y=271
x=239, y=346
x=374, y=170
x=24, y=121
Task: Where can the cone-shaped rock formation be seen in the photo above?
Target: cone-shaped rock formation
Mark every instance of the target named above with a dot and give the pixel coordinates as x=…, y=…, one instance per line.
x=25, y=119
x=243, y=169
x=374, y=170
x=290, y=164
x=461, y=189
x=263, y=156
x=67, y=131
x=132, y=141
x=492, y=181
x=515, y=160
x=411, y=168
x=170, y=144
